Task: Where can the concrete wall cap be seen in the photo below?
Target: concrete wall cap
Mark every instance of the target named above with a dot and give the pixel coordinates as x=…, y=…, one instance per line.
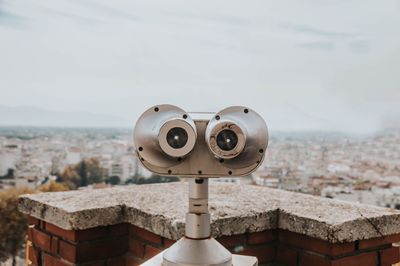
x=235, y=209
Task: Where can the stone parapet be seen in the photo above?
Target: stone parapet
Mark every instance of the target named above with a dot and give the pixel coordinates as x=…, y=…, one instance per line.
x=127, y=225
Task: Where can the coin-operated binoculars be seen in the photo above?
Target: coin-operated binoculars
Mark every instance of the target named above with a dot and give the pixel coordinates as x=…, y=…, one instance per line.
x=199, y=146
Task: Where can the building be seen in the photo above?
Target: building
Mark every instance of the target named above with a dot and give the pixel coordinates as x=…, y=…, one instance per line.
x=9, y=155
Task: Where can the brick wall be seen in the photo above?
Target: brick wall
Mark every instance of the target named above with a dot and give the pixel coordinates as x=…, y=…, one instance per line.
x=125, y=244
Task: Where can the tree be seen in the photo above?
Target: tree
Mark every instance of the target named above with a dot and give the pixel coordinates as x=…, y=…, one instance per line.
x=157, y=179
x=12, y=225
x=84, y=173
x=53, y=187
x=134, y=179
x=95, y=173
x=9, y=175
x=113, y=180
x=69, y=177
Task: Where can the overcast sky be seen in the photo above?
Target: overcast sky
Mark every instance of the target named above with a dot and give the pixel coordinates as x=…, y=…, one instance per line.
x=304, y=65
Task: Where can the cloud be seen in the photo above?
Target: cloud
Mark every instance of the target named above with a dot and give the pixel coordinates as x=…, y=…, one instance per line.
x=326, y=46
x=12, y=20
x=320, y=32
x=108, y=10
x=72, y=17
x=359, y=46
x=339, y=73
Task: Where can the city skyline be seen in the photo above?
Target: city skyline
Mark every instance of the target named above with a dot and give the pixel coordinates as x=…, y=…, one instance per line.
x=37, y=117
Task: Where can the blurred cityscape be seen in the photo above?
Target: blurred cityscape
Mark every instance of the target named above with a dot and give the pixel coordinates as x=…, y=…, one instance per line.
x=363, y=169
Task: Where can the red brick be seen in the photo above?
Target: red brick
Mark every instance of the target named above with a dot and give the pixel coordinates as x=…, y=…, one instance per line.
x=151, y=251
x=311, y=259
x=41, y=240
x=120, y=261
x=54, y=245
x=91, y=234
x=364, y=259
x=65, y=234
x=94, y=263
x=93, y=250
x=30, y=233
x=67, y=251
x=42, y=224
x=232, y=241
x=286, y=255
x=378, y=241
x=33, y=221
x=118, y=229
x=133, y=261
x=48, y=260
x=340, y=249
x=79, y=235
x=389, y=256
x=264, y=254
x=71, y=253
x=144, y=234
x=34, y=255
x=168, y=242
x=137, y=248
x=316, y=245
x=261, y=237
x=102, y=249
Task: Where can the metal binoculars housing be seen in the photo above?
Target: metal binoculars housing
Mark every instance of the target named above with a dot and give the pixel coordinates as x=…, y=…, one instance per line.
x=199, y=146
x=231, y=142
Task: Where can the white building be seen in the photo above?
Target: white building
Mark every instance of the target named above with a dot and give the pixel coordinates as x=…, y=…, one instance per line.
x=125, y=167
x=389, y=197
x=73, y=155
x=9, y=156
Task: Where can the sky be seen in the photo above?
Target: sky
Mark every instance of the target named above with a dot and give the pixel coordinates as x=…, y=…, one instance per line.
x=302, y=64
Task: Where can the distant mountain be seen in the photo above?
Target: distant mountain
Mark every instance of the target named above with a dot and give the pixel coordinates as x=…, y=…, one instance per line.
x=35, y=116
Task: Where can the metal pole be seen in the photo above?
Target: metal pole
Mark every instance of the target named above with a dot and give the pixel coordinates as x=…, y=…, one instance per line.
x=198, y=217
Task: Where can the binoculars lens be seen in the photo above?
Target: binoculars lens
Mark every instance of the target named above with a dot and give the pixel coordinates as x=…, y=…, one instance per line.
x=177, y=137
x=227, y=140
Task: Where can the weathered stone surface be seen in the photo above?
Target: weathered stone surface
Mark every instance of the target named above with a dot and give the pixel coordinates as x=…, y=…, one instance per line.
x=235, y=209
